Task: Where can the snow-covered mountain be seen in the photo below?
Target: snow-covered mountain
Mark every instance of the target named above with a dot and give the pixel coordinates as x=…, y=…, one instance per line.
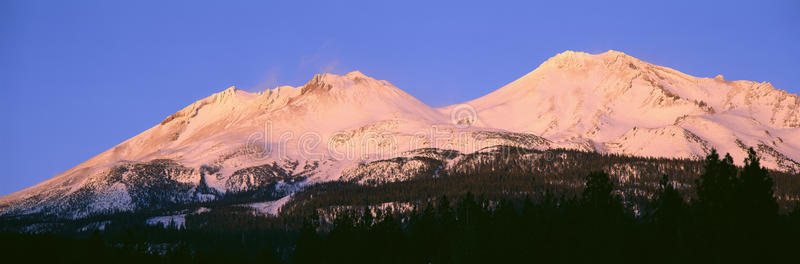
x=331, y=127
x=612, y=102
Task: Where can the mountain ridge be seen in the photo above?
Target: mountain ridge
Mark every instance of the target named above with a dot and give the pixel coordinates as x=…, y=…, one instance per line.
x=607, y=103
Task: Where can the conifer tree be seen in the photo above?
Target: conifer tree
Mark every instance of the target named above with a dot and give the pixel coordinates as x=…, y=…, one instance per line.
x=668, y=206
x=756, y=198
x=716, y=188
x=598, y=191
x=757, y=210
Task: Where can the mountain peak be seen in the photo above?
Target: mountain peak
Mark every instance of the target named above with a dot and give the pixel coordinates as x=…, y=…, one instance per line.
x=578, y=59
x=614, y=53
x=353, y=80
x=225, y=95
x=580, y=54
x=356, y=74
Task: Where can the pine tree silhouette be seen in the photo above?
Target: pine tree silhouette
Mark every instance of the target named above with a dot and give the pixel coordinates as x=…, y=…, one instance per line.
x=716, y=189
x=668, y=207
x=598, y=191
x=756, y=198
x=757, y=210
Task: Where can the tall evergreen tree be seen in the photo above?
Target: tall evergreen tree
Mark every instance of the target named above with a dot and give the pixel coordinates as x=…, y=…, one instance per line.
x=757, y=210
x=598, y=191
x=447, y=231
x=667, y=217
x=668, y=207
x=716, y=208
x=716, y=187
x=756, y=198
x=601, y=215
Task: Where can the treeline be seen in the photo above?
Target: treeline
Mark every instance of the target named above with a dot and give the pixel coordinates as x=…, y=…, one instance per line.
x=515, y=173
x=494, y=215
x=734, y=218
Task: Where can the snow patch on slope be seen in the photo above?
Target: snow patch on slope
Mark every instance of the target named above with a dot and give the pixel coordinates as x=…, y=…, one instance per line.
x=272, y=208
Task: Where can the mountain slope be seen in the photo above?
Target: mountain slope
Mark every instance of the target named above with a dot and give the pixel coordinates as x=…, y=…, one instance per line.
x=231, y=130
x=285, y=138
x=603, y=99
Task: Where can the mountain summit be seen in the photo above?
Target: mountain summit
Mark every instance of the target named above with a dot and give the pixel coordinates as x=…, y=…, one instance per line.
x=325, y=130
x=614, y=103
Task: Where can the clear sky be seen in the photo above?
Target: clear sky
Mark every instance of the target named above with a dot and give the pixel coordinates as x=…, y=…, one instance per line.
x=79, y=77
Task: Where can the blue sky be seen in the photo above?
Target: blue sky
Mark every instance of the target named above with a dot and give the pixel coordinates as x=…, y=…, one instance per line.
x=79, y=77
